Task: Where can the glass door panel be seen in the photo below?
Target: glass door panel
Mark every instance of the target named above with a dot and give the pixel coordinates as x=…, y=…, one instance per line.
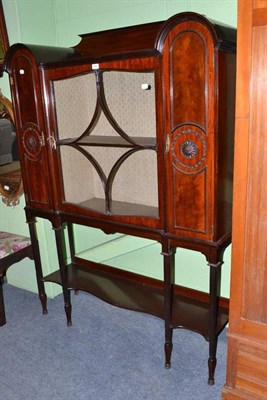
x=106, y=125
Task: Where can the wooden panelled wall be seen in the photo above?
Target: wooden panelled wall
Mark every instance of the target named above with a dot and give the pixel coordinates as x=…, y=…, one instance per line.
x=247, y=350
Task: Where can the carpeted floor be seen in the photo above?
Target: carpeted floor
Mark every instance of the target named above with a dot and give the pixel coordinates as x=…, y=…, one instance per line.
x=108, y=354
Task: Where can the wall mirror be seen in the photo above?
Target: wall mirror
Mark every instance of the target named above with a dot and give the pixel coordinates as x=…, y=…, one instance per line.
x=10, y=174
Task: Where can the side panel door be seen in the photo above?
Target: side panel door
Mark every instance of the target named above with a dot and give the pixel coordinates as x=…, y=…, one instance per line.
x=189, y=82
x=27, y=100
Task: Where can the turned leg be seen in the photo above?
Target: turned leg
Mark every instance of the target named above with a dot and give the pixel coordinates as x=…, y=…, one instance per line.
x=215, y=285
x=63, y=273
x=168, y=254
x=72, y=251
x=38, y=265
x=2, y=305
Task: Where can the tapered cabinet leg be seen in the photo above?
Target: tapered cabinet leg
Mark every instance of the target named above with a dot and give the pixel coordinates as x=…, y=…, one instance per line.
x=63, y=273
x=2, y=305
x=168, y=346
x=38, y=265
x=215, y=285
x=72, y=249
x=168, y=257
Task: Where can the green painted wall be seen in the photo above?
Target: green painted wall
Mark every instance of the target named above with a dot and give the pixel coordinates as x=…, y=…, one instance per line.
x=59, y=22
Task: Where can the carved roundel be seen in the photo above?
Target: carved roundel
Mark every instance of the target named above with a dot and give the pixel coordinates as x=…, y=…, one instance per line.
x=32, y=142
x=189, y=148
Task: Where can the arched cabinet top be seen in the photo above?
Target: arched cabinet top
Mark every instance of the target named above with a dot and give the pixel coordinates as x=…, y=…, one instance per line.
x=130, y=42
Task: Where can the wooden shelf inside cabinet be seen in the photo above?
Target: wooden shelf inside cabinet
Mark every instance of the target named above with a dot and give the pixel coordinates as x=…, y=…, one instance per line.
x=120, y=208
x=129, y=292
x=112, y=141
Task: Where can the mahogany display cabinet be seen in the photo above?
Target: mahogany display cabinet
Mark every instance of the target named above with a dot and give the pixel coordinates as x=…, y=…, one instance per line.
x=131, y=131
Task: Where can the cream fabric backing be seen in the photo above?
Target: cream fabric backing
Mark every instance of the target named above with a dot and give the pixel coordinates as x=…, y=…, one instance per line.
x=134, y=110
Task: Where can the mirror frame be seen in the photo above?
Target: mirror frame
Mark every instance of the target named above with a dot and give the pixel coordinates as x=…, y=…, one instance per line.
x=10, y=200
x=4, y=42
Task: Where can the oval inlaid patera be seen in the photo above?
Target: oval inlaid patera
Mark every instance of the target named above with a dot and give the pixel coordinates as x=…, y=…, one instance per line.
x=189, y=148
x=31, y=140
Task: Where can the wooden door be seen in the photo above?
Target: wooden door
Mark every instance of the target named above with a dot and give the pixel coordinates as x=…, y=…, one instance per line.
x=30, y=128
x=189, y=76
x=247, y=350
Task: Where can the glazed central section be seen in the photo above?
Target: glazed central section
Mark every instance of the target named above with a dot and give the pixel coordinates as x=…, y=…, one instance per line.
x=106, y=123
